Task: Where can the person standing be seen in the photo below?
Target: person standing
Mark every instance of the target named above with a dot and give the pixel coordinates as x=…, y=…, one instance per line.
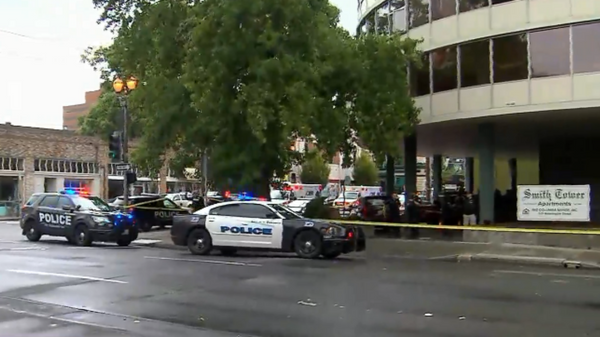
x=469, y=210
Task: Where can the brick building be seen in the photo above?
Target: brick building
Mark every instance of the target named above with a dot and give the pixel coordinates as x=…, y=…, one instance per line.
x=71, y=113
x=36, y=160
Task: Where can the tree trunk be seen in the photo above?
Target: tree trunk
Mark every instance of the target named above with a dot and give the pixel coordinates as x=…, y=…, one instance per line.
x=390, y=178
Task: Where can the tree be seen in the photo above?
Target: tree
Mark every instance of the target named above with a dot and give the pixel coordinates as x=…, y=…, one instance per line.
x=365, y=171
x=239, y=79
x=315, y=169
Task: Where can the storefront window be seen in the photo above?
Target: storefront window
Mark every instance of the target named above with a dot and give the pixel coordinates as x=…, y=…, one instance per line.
x=9, y=197
x=419, y=12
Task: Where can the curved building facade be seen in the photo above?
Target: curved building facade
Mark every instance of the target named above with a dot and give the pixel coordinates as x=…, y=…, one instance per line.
x=503, y=79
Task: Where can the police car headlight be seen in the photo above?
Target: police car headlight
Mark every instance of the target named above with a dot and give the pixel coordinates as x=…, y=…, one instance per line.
x=101, y=220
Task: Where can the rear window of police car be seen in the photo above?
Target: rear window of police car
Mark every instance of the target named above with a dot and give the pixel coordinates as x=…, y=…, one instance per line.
x=32, y=200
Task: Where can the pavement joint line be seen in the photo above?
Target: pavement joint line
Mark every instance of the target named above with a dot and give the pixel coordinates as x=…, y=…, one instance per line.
x=531, y=273
x=81, y=277
x=65, y=320
x=228, y=263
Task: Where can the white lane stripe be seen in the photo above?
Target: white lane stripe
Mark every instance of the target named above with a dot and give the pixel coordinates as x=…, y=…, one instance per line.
x=81, y=277
x=547, y=274
x=228, y=263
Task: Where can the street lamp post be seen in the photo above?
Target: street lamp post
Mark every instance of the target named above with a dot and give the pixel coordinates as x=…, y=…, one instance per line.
x=123, y=88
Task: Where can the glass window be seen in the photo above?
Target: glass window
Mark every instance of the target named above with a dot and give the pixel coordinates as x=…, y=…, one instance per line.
x=382, y=18
x=586, y=48
x=64, y=201
x=49, y=201
x=475, y=63
x=442, y=9
x=398, y=10
x=370, y=23
x=166, y=203
x=444, y=69
x=227, y=210
x=32, y=199
x=256, y=211
x=550, y=52
x=419, y=78
x=419, y=12
x=497, y=2
x=286, y=212
x=470, y=5
x=510, y=58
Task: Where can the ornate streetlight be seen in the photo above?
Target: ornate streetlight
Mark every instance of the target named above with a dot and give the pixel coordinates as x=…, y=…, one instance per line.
x=124, y=88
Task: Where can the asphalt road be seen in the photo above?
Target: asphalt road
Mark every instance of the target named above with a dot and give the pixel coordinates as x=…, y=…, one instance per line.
x=52, y=289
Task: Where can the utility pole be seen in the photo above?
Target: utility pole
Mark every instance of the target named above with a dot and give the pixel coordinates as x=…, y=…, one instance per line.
x=205, y=176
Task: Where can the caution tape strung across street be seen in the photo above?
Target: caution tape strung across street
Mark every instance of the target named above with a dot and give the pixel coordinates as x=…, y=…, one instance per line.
x=593, y=231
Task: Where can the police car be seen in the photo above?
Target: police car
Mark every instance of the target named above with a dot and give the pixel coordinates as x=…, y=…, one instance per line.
x=263, y=225
x=150, y=210
x=80, y=219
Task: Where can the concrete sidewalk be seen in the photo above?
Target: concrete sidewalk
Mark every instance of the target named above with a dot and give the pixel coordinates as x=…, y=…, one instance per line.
x=446, y=251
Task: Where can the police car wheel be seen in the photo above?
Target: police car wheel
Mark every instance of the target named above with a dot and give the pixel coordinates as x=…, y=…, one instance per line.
x=199, y=242
x=81, y=236
x=145, y=226
x=307, y=244
x=32, y=234
x=123, y=242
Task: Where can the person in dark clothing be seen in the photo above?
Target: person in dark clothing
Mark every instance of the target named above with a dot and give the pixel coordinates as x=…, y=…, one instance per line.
x=448, y=215
x=412, y=215
x=197, y=202
x=469, y=209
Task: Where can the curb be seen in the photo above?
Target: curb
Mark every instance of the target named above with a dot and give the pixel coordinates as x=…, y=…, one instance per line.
x=531, y=260
x=161, y=245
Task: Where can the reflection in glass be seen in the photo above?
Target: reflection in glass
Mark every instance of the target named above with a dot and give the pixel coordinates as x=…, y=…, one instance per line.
x=586, y=48
x=442, y=9
x=444, y=68
x=470, y=5
x=398, y=10
x=419, y=78
x=382, y=18
x=419, y=12
x=370, y=23
x=475, y=63
x=510, y=58
x=549, y=51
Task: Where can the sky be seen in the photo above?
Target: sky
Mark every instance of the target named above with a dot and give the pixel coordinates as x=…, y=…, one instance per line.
x=41, y=42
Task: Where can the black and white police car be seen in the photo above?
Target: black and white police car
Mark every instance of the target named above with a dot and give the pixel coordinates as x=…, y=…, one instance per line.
x=80, y=219
x=249, y=225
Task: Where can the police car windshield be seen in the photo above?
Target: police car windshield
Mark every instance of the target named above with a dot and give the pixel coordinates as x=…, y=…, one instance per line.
x=351, y=195
x=286, y=212
x=91, y=204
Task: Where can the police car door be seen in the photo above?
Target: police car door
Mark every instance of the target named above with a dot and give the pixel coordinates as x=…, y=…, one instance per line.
x=245, y=225
x=52, y=219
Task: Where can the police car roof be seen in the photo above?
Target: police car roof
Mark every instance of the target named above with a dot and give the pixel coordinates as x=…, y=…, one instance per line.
x=235, y=202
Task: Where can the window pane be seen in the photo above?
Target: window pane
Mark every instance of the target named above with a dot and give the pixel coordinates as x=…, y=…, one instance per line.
x=419, y=12
x=475, y=63
x=254, y=211
x=586, y=48
x=470, y=5
x=510, y=58
x=444, y=69
x=419, y=78
x=382, y=17
x=64, y=201
x=442, y=9
x=550, y=52
x=398, y=10
x=370, y=23
x=49, y=201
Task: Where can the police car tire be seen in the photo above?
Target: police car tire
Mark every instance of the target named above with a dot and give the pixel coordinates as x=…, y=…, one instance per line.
x=32, y=234
x=145, y=226
x=199, y=233
x=301, y=239
x=124, y=242
x=87, y=239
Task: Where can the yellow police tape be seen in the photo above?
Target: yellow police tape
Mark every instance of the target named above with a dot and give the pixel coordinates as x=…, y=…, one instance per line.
x=592, y=231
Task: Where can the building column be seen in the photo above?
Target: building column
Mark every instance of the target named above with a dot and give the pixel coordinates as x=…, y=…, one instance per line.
x=512, y=166
x=410, y=165
x=487, y=173
x=437, y=175
x=469, y=175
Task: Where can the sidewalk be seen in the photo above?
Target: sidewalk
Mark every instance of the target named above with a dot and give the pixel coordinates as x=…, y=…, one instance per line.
x=447, y=251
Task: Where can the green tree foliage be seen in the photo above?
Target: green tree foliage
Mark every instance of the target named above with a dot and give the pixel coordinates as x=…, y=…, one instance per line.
x=242, y=79
x=365, y=171
x=383, y=110
x=315, y=169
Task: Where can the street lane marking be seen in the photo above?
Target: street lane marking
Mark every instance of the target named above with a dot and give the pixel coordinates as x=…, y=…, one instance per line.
x=228, y=263
x=546, y=274
x=81, y=277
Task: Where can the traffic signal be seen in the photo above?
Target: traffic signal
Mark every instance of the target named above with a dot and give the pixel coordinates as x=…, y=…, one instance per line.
x=114, y=146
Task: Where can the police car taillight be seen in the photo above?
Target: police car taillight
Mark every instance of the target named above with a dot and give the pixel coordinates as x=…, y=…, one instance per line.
x=350, y=234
